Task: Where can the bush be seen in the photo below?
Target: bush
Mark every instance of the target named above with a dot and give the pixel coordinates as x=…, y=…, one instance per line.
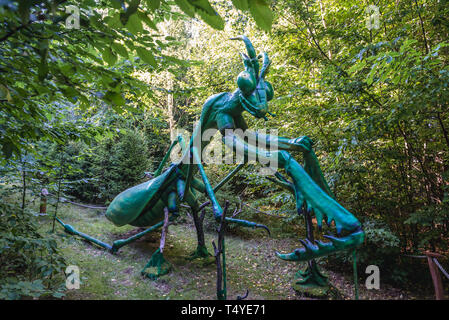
x=383, y=249
x=120, y=164
x=110, y=167
x=30, y=262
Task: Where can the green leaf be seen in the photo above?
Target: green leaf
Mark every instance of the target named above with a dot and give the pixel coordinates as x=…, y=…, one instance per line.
x=240, y=4
x=120, y=49
x=144, y=17
x=153, y=4
x=215, y=21
x=109, y=56
x=185, y=6
x=146, y=56
x=43, y=69
x=7, y=149
x=207, y=13
x=117, y=4
x=132, y=8
x=357, y=67
x=114, y=21
x=260, y=10
x=134, y=24
x=24, y=10
x=43, y=66
x=4, y=93
x=370, y=78
x=114, y=97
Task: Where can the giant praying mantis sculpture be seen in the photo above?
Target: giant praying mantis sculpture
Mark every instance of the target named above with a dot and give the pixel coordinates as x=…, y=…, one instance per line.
x=143, y=205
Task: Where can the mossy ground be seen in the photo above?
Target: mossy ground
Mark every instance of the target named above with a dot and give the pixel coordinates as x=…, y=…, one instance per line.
x=251, y=262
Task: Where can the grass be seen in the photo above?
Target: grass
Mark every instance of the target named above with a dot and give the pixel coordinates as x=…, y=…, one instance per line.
x=251, y=263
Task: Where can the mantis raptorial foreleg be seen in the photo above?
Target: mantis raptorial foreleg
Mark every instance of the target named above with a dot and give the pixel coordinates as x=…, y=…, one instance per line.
x=306, y=189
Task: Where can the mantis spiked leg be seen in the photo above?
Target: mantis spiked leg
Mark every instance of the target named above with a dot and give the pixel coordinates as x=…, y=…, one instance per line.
x=308, y=191
x=218, y=211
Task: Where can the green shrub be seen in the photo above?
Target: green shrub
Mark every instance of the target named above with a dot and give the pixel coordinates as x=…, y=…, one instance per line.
x=120, y=163
x=30, y=262
x=113, y=165
x=383, y=249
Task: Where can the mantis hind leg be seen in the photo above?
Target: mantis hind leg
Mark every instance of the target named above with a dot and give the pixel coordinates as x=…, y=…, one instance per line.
x=188, y=195
x=158, y=266
x=117, y=244
x=198, y=214
x=72, y=231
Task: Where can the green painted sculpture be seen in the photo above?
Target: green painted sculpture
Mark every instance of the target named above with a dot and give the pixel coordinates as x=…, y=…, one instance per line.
x=144, y=204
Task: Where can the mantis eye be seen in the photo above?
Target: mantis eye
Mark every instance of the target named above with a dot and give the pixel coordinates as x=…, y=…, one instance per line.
x=246, y=82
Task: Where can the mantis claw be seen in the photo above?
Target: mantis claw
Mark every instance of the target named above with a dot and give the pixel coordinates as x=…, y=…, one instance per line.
x=319, y=249
x=249, y=224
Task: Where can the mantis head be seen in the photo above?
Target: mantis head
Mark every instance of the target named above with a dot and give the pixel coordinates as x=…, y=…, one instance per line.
x=255, y=92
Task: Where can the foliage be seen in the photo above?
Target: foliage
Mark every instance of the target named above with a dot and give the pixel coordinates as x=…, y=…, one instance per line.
x=120, y=164
x=378, y=108
x=31, y=263
x=374, y=101
x=105, y=169
x=85, y=60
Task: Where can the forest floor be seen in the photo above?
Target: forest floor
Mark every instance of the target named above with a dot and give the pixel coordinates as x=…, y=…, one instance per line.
x=251, y=264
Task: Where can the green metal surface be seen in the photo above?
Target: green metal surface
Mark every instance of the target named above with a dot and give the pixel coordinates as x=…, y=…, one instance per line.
x=143, y=205
x=71, y=230
x=117, y=244
x=133, y=202
x=200, y=252
x=311, y=282
x=157, y=266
